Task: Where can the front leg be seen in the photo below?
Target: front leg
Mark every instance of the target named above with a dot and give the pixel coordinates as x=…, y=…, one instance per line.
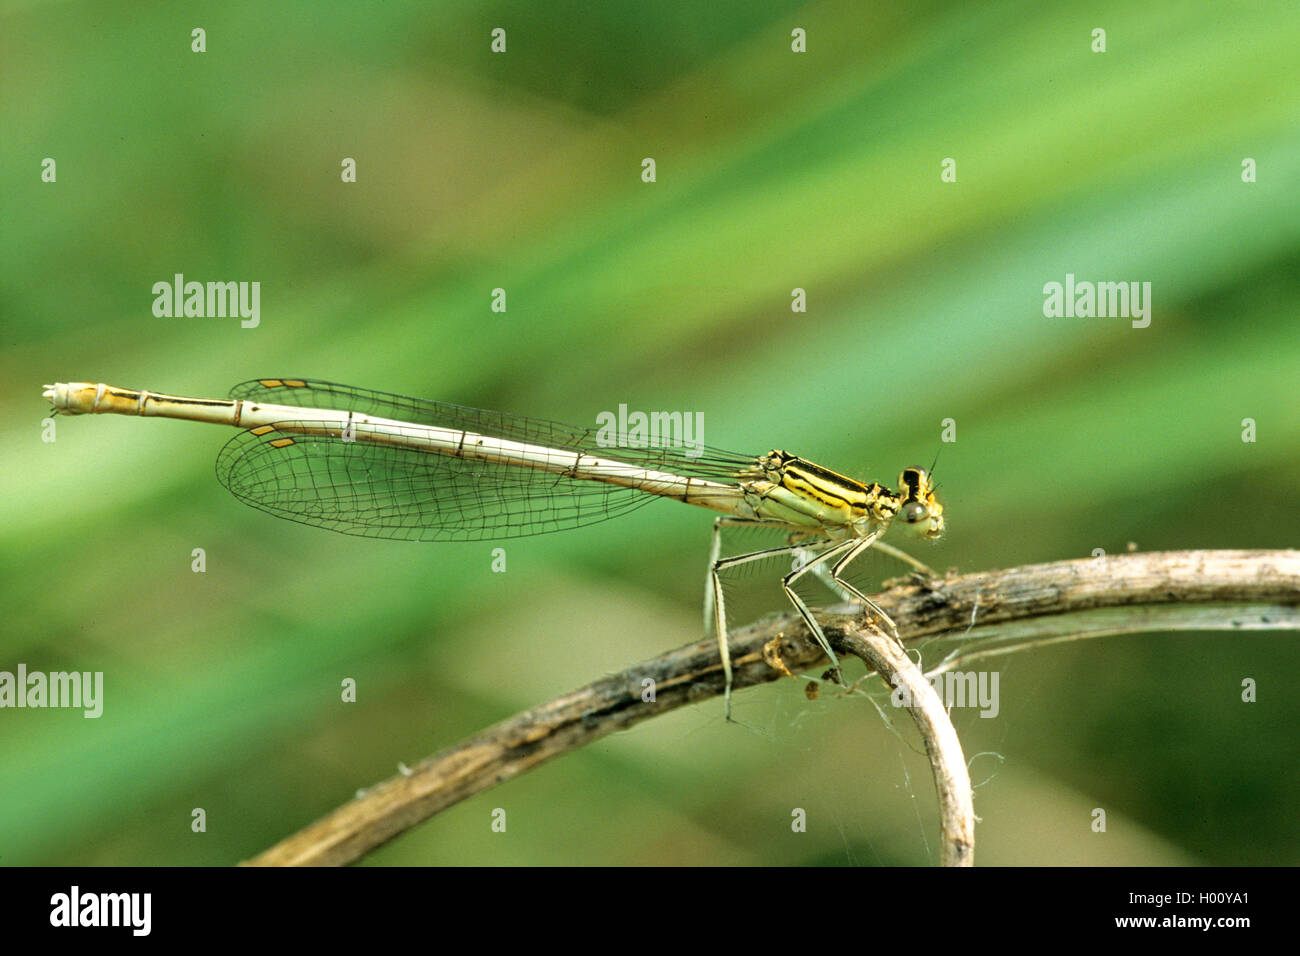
x=906, y=558
x=875, y=609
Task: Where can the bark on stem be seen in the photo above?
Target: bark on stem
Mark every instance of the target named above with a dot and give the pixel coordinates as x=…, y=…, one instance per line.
x=1230, y=590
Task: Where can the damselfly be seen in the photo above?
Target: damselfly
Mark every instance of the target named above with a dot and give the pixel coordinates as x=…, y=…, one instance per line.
x=385, y=466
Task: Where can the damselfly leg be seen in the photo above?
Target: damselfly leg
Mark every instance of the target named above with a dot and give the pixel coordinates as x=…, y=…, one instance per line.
x=808, y=558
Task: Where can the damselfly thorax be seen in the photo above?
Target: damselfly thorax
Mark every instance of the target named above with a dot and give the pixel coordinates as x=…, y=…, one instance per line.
x=785, y=487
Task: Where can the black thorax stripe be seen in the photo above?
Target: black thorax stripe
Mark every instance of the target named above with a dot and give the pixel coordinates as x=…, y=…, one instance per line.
x=821, y=484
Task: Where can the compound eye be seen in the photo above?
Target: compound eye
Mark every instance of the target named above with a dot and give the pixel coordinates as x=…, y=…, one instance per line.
x=914, y=512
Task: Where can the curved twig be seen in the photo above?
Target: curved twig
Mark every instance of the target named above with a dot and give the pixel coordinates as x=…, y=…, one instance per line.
x=951, y=779
x=1229, y=589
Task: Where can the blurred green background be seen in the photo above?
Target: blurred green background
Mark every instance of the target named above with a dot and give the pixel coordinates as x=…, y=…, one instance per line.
x=521, y=170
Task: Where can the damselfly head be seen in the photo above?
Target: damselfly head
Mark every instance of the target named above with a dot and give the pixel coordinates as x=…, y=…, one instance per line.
x=920, y=509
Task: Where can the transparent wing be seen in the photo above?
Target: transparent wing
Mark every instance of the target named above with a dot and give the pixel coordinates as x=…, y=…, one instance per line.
x=385, y=491
x=382, y=491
